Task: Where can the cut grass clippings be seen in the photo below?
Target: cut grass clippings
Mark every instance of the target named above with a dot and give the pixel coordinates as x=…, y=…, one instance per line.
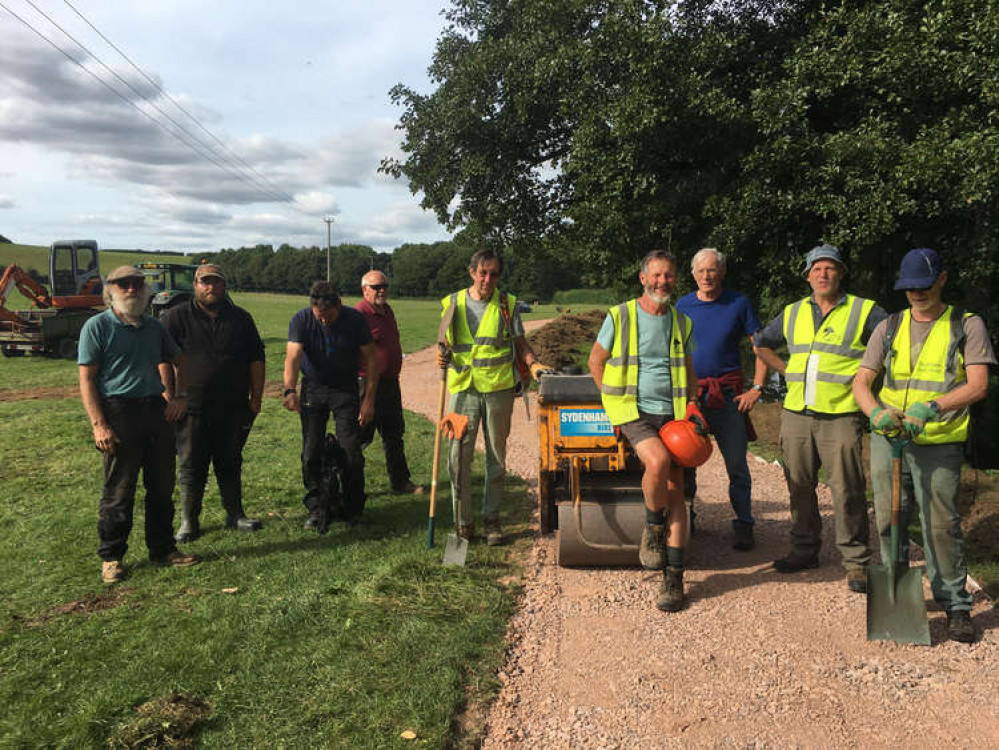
x=292, y=639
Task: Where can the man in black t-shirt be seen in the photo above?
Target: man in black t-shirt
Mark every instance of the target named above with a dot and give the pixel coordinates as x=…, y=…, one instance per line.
x=225, y=383
x=326, y=342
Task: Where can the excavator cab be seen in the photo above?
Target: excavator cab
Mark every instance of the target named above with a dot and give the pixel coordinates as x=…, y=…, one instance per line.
x=74, y=272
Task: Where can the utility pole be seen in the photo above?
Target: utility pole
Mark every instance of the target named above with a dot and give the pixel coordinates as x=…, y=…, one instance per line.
x=329, y=221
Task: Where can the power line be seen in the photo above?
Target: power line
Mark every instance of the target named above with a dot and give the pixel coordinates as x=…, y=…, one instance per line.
x=210, y=156
x=177, y=104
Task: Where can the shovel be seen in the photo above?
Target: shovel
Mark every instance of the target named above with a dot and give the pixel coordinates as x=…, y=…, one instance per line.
x=456, y=549
x=437, y=458
x=896, y=610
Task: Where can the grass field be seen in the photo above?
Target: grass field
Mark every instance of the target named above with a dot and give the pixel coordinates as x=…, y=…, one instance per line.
x=283, y=638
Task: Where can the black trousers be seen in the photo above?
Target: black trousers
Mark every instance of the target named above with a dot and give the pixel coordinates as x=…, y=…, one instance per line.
x=146, y=443
x=215, y=437
x=317, y=403
x=391, y=426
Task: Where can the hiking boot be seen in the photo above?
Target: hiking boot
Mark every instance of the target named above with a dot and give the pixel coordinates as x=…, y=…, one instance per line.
x=960, y=628
x=671, y=592
x=494, y=534
x=652, y=552
x=467, y=531
x=856, y=580
x=112, y=571
x=743, y=539
x=795, y=563
x=409, y=489
x=177, y=559
x=243, y=523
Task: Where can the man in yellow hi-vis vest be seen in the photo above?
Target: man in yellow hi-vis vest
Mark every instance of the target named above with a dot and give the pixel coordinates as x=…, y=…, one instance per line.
x=483, y=341
x=643, y=365
x=936, y=362
x=821, y=424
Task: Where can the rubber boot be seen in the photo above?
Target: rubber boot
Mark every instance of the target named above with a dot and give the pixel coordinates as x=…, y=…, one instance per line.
x=190, y=526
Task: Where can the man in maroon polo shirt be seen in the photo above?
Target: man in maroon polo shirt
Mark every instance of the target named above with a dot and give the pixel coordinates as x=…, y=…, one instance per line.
x=389, y=419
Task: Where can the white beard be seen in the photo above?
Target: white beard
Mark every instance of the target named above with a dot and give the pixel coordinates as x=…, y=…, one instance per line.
x=659, y=300
x=130, y=309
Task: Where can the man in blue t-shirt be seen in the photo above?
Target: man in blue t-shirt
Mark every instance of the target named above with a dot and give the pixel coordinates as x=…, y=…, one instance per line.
x=123, y=354
x=326, y=342
x=723, y=319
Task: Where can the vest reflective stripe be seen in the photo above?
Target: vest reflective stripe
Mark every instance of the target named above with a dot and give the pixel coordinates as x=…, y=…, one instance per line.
x=619, y=391
x=939, y=369
x=838, y=346
x=483, y=361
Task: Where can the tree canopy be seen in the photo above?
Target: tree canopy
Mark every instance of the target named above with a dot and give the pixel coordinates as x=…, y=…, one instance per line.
x=598, y=129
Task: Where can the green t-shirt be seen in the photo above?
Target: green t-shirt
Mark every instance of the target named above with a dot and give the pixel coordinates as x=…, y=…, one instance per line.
x=127, y=355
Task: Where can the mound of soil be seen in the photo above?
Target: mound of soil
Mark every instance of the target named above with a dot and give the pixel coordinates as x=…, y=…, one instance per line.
x=566, y=341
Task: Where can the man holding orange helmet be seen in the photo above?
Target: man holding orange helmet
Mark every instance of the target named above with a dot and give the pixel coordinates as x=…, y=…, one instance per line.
x=642, y=364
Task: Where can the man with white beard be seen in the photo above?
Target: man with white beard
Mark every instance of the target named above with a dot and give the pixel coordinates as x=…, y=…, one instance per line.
x=122, y=353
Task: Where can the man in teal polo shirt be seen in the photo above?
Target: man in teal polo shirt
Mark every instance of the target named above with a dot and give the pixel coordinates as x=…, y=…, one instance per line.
x=121, y=354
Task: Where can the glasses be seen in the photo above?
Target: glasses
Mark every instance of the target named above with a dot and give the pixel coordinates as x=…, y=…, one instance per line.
x=130, y=283
x=378, y=287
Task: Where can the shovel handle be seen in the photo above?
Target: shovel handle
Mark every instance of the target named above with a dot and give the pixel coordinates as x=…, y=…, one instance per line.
x=437, y=458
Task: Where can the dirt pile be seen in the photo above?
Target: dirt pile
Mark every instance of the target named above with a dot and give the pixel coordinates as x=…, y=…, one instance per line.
x=566, y=340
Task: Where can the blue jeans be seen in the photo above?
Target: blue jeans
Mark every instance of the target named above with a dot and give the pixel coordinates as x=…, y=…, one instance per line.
x=729, y=429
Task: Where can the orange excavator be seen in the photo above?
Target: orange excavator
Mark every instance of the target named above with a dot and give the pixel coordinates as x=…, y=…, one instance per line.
x=53, y=326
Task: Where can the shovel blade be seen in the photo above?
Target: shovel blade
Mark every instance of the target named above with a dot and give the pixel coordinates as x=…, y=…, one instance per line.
x=455, y=550
x=896, y=610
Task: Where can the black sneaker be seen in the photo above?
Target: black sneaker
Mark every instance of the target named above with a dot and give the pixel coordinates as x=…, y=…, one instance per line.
x=795, y=563
x=671, y=592
x=856, y=580
x=652, y=552
x=743, y=539
x=960, y=628
x=312, y=522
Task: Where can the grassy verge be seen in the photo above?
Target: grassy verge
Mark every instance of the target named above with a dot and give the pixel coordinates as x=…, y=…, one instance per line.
x=288, y=639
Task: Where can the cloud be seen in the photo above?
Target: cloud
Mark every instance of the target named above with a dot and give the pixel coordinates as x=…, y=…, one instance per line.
x=6, y=201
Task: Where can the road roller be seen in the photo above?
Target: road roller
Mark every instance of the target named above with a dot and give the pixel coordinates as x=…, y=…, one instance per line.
x=589, y=481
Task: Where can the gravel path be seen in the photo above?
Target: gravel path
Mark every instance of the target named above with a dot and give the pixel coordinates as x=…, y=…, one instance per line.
x=757, y=659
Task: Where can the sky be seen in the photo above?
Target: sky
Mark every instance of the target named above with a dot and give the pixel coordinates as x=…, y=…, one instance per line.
x=296, y=94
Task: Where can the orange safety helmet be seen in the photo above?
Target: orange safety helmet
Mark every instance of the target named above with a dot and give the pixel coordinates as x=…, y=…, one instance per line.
x=684, y=444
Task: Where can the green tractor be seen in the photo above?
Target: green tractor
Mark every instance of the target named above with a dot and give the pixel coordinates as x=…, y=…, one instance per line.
x=172, y=283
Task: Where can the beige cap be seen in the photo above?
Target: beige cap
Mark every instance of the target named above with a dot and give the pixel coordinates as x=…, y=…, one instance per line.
x=125, y=272
x=208, y=269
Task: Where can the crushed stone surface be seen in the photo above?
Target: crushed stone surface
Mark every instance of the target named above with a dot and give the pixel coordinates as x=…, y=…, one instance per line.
x=756, y=659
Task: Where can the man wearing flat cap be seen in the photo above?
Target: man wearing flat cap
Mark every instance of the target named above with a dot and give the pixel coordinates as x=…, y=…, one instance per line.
x=935, y=358
x=326, y=343
x=225, y=383
x=123, y=356
x=821, y=423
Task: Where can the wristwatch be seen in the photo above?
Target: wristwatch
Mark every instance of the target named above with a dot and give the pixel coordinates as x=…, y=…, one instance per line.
x=756, y=387
x=289, y=391
x=934, y=405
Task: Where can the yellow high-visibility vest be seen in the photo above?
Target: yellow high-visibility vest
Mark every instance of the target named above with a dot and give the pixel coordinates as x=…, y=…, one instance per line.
x=619, y=392
x=938, y=369
x=483, y=361
x=837, y=347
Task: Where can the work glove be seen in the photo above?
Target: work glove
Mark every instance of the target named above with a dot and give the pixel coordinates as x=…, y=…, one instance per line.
x=694, y=415
x=443, y=356
x=454, y=425
x=887, y=421
x=538, y=369
x=916, y=417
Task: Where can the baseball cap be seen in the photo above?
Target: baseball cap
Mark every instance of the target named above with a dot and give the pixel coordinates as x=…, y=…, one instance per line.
x=208, y=269
x=822, y=252
x=125, y=272
x=919, y=269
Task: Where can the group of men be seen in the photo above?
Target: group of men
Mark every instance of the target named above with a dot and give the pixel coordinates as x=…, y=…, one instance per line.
x=653, y=361
x=650, y=354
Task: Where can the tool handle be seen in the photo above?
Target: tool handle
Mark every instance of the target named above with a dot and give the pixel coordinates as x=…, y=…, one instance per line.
x=437, y=458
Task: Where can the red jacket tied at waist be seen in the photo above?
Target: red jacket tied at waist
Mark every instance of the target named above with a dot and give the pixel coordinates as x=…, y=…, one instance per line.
x=714, y=386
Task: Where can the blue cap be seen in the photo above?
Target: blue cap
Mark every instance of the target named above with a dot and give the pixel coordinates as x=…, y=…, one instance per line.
x=919, y=269
x=822, y=252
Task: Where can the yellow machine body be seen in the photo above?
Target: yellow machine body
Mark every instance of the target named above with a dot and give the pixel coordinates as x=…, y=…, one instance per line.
x=589, y=482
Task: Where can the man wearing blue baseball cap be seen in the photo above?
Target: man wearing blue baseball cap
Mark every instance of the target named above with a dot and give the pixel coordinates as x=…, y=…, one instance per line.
x=936, y=360
x=821, y=424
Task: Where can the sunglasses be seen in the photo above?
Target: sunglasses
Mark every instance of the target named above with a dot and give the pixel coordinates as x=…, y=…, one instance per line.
x=378, y=287
x=210, y=281
x=130, y=283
